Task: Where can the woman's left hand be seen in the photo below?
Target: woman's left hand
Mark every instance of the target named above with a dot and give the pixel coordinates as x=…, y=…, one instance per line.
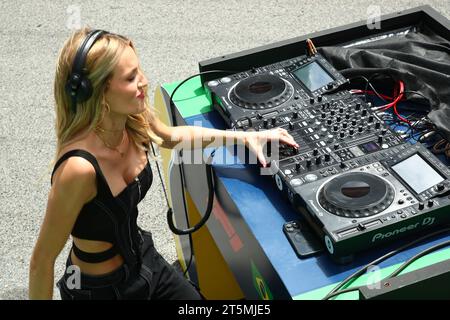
x=255, y=141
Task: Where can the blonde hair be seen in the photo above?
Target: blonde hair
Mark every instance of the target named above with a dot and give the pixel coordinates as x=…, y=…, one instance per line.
x=100, y=63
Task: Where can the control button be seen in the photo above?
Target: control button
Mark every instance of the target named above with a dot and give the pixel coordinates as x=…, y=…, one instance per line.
x=421, y=205
x=265, y=123
x=318, y=160
x=315, y=152
x=310, y=177
x=287, y=171
x=319, y=98
x=403, y=216
x=430, y=203
x=213, y=83
x=377, y=125
x=295, y=114
x=311, y=100
x=329, y=86
x=342, y=165
x=259, y=116
x=380, y=139
x=440, y=187
x=401, y=201
x=225, y=80
x=327, y=157
x=297, y=166
x=296, y=182
x=358, y=106
x=371, y=119
x=364, y=112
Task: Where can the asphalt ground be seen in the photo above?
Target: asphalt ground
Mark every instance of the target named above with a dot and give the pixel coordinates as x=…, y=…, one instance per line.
x=171, y=38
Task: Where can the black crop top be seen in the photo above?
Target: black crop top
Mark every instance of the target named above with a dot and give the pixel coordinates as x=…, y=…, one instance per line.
x=94, y=221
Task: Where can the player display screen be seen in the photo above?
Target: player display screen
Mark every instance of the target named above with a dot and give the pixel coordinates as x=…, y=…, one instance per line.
x=417, y=173
x=313, y=76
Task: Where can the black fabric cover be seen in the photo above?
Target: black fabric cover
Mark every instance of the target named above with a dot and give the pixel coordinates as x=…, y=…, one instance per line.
x=419, y=57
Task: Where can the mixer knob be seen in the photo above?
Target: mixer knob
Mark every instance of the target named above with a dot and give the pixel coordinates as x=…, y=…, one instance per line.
x=342, y=165
x=311, y=100
x=297, y=166
x=315, y=152
x=295, y=114
x=344, y=125
x=273, y=120
x=318, y=160
x=353, y=122
x=421, y=206
x=380, y=139
x=383, y=132
x=342, y=134
x=370, y=118
x=440, y=187
x=336, y=146
x=329, y=121
x=364, y=112
x=323, y=115
x=291, y=125
x=351, y=132
x=338, y=119
x=329, y=86
x=360, y=129
x=333, y=112
x=327, y=157
x=335, y=128
x=295, y=150
x=319, y=98
x=358, y=106
x=308, y=163
x=377, y=125
x=265, y=123
x=430, y=203
x=259, y=116
x=347, y=116
x=341, y=110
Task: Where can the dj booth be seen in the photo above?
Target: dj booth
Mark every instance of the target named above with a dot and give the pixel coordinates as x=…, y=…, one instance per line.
x=285, y=234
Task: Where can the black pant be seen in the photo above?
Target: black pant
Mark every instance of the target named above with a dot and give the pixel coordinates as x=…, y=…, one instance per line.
x=153, y=279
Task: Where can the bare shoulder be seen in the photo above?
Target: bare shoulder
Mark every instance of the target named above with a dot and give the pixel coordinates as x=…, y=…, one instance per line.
x=75, y=175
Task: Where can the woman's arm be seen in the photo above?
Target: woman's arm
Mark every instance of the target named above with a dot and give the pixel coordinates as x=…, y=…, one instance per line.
x=73, y=186
x=198, y=137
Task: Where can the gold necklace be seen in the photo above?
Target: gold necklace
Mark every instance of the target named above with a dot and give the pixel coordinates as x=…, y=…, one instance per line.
x=107, y=145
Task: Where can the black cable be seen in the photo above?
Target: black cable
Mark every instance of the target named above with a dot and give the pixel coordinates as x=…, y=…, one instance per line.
x=208, y=166
x=380, y=259
x=371, y=86
x=337, y=293
x=209, y=169
x=417, y=256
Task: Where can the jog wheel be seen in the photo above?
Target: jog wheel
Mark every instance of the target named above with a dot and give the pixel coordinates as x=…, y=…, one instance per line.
x=356, y=194
x=260, y=92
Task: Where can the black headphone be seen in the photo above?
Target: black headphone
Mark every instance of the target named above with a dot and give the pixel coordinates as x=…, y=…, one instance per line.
x=78, y=85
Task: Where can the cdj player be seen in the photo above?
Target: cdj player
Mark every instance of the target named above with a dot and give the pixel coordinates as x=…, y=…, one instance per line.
x=354, y=180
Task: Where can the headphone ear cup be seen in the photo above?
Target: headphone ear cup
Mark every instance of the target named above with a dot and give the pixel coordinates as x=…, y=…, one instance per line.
x=84, y=91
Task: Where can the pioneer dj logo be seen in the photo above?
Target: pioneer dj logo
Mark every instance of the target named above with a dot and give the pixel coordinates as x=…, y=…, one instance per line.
x=425, y=222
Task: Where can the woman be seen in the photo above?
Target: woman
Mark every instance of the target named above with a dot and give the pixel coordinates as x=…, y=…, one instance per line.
x=103, y=172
